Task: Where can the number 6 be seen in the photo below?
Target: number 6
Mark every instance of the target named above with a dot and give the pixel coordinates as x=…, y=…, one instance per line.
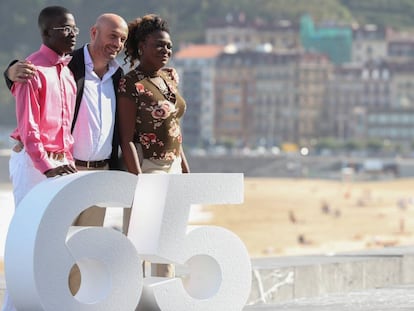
x=40, y=252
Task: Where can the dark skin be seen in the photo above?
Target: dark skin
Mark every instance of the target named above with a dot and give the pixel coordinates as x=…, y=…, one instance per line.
x=156, y=51
x=56, y=39
x=61, y=44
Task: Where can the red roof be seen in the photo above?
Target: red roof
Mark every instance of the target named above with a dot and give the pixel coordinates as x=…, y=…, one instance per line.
x=199, y=51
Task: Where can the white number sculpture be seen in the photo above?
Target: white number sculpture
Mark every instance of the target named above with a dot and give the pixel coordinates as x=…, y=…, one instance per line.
x=42, y=246
x=40, y=250
x=219, y=265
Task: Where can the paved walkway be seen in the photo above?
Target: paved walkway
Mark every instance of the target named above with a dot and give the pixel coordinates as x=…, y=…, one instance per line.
x=394, y=298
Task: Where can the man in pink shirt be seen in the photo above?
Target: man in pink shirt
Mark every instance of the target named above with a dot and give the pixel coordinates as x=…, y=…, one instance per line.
x=44, y=106
x=44, y=110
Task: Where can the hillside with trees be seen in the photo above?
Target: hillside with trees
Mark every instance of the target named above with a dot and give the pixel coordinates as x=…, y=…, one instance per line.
x=187, y=18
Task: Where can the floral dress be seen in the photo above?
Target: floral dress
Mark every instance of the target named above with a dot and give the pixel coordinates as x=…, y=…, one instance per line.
x=157, y=125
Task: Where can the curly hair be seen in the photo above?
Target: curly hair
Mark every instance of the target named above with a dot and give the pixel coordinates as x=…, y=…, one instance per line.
x=139, y=29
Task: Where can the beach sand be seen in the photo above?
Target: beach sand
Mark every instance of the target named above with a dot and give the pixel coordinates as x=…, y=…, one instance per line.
x=303, y=216
x=296, y=216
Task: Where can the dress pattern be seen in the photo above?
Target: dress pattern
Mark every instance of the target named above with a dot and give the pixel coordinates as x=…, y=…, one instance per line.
x=157, y=123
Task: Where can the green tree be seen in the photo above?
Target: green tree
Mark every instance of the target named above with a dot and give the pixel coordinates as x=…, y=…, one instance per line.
x=327, y=144
x=375, y=145
x=353, y=145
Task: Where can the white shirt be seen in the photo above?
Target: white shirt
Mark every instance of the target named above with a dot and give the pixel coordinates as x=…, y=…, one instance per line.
x=94, y=126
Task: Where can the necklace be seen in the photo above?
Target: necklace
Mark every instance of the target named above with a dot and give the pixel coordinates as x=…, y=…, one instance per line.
x=155, y=79
x=162, y=86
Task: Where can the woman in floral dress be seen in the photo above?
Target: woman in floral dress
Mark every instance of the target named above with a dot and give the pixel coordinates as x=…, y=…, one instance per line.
x=149, y=106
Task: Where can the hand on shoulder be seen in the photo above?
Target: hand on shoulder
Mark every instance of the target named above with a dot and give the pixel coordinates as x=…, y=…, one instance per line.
x=21, y=71
x=172, y=74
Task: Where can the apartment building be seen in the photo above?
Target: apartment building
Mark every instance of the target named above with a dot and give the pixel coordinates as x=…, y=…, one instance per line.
x=314, y=71
x=354, y=91
x=197, y=70
x=395, y=122
x=243, y=92
x=252, y=35
x=234, y=92
x=400, y=44
x=402, y=82
x=274, y=117
x=368, y=43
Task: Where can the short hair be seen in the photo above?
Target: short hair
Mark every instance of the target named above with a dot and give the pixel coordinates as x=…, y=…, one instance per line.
x=48, y=13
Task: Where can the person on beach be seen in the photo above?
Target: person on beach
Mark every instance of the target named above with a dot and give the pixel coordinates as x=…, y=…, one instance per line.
x=44, y=110
x=150, y=107
x=94, y=127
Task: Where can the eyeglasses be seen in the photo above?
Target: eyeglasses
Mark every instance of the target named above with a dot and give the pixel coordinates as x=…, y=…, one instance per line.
x=67, y=30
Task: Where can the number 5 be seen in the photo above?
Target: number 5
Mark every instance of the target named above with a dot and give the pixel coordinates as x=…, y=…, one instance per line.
x=218, y=262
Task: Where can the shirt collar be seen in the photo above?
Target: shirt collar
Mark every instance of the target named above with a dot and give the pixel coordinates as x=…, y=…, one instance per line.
x=54, y=57
x=112, y=66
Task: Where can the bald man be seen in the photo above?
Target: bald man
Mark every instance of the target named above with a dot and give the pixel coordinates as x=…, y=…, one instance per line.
x=94, y=128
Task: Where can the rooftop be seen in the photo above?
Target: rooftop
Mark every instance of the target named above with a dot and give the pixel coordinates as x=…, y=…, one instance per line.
x=200, y=51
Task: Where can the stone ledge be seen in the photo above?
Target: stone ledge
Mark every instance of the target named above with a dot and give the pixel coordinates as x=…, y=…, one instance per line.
x=282, y=279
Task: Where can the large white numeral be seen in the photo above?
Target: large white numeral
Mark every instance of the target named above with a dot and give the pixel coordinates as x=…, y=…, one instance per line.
x=42, y=246
x=38, y=258
x=219, y=267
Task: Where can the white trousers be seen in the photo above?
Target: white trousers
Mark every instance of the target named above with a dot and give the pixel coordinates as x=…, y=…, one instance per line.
x=24, y=177
x=161, y=167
